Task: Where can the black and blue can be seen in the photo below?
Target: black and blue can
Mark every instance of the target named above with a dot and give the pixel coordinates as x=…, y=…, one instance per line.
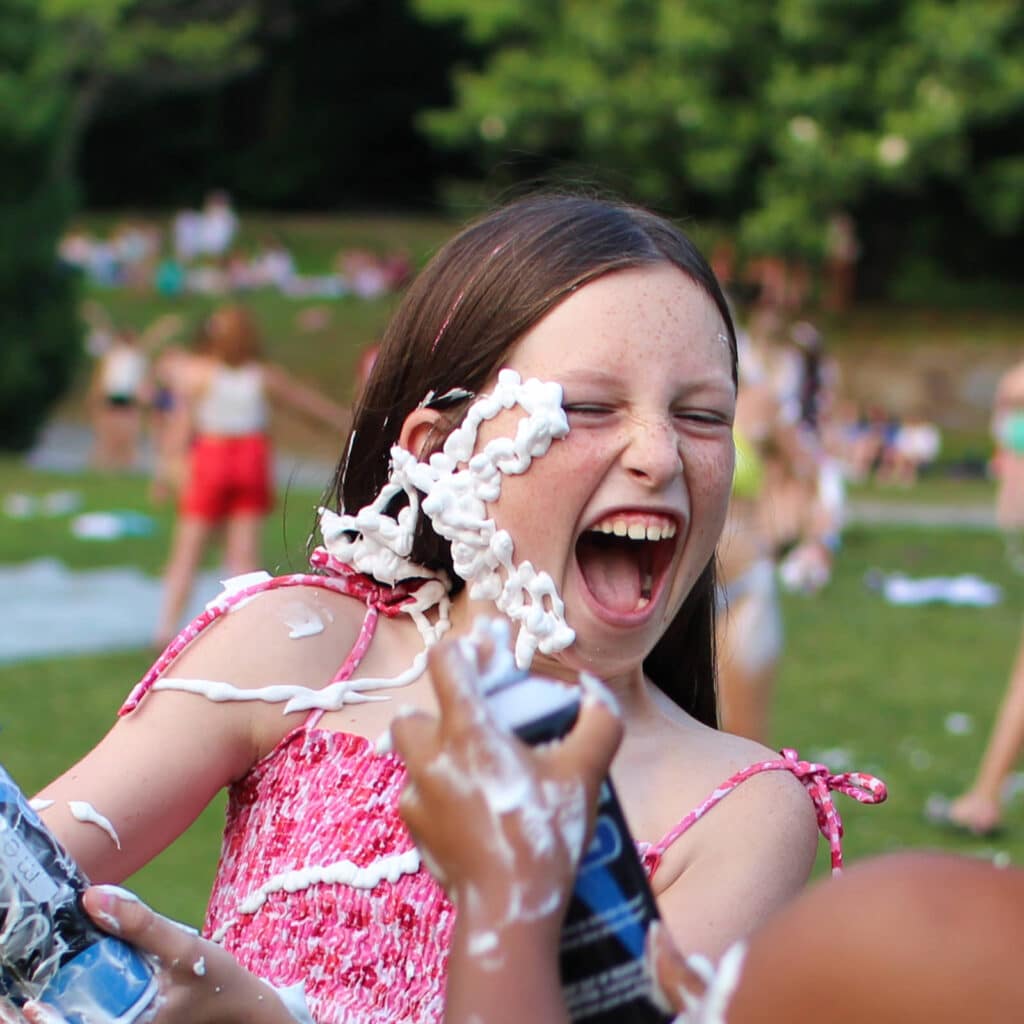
x=601, y=954
x=50, y=950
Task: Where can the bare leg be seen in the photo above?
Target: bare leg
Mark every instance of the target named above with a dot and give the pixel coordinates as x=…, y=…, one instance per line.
x=190, y=537
x=979, y=807
x=746, y=699
x=749, y=645
x=242, y=543
x=102, y=457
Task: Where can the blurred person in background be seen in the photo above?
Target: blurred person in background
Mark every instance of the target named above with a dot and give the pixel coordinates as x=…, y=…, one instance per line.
x=915, y=446
x=119, y=389
x=979, y=809
x=224, y=391
x=750, y=634
x=842, y=251
x=801, y=508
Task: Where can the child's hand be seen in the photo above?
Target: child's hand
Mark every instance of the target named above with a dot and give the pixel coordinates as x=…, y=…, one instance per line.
x=501, y=825
x=199, y=981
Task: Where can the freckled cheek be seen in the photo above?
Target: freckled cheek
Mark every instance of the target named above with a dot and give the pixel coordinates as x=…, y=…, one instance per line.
x=539, y=505
x=710, y=482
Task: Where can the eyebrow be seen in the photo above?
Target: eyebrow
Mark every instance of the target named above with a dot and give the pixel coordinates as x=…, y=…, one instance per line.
x=588, y=375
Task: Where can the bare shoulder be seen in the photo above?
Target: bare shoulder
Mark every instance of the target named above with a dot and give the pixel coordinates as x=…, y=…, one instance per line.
x=750, y=854
x=296, y=635
x=771, y=800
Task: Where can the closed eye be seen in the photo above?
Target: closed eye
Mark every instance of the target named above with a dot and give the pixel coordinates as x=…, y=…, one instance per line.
x=586, y=409
x=704, y=417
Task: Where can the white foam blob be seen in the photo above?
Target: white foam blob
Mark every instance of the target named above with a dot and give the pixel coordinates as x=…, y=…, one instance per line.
x=294, y=999
x=302, y=620
x=85, y=812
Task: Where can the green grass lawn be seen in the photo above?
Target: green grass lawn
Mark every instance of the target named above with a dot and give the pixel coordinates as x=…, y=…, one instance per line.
x=861, y=681
x=877, y=683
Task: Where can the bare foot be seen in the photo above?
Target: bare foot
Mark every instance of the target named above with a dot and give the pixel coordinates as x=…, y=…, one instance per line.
x=976, y=813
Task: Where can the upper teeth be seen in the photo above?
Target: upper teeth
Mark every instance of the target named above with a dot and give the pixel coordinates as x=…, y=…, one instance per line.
x=636, y=531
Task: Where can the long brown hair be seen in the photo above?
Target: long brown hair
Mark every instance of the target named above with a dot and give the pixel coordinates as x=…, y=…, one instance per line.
x=455, y=326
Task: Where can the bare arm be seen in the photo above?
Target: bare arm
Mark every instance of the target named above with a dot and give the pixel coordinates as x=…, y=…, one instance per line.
x=301, y=398
x=150, y=777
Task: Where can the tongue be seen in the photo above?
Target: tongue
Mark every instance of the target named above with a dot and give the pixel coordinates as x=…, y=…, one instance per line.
x=611, y=572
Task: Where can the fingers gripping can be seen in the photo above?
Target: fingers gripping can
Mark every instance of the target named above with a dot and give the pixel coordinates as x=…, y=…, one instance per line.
x=601, y=954
x=50, y=950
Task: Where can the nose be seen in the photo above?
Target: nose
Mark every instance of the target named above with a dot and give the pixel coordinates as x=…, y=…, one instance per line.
x=652, y=453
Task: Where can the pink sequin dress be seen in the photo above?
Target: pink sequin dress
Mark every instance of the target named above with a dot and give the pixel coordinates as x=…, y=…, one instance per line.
x=320, y=883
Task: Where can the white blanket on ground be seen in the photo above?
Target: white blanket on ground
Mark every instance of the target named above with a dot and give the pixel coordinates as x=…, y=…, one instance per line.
x=49, y=610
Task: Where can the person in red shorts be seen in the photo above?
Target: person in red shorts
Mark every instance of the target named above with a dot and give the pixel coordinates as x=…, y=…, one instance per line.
x=225, y=391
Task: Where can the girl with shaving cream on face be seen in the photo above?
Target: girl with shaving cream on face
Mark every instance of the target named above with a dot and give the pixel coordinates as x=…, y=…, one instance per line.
x=546, y=435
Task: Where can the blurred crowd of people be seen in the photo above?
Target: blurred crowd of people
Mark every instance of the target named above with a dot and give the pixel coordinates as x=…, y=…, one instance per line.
x=201, y=254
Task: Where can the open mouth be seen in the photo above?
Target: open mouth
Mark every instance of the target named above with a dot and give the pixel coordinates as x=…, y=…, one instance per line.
x=624, y=559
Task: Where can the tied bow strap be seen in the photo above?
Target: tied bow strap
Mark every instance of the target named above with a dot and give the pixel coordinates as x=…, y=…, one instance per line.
x=820, y=784
x=387, y=600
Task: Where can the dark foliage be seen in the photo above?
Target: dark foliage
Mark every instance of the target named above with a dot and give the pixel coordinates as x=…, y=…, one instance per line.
x=40, y=342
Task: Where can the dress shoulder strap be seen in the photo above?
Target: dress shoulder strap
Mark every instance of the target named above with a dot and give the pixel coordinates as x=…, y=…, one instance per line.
x=343, y=580
x=820, y=784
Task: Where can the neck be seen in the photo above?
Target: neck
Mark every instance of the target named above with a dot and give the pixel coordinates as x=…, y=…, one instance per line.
x=627, y=682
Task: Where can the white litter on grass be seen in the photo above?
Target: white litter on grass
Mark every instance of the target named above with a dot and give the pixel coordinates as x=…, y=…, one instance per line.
x=1013, y=786
x=966, y=590
x=959, y=723
x=838, y=759
x=920, y=760
x=18, y=505
x=112, y=525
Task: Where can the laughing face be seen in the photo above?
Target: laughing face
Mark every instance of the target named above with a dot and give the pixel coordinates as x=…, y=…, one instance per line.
x=624, y=513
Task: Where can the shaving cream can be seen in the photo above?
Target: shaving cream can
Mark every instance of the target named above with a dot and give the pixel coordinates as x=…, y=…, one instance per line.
x=601, y=957
x=50, y=950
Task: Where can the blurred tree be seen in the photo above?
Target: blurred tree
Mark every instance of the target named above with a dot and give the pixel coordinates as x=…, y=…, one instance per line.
x=326, y=119
x=59, y=59
x=98, y=47
x=40, y=343
x=766, y=116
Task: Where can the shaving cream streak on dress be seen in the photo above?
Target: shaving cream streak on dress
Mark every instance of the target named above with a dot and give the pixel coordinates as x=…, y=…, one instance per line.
x=368, y=933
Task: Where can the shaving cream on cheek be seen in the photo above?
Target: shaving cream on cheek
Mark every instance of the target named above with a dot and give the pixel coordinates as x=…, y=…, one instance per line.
x=457, y=483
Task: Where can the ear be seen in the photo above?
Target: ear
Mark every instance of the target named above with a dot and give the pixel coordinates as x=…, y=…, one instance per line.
x=417, y=429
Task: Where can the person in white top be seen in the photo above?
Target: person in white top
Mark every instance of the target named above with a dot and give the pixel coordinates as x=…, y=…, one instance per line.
x=224, y=394
x=119, y=389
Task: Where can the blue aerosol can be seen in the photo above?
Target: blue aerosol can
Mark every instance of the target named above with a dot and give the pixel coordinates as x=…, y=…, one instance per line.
x=50, y=950
x=601, y=954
